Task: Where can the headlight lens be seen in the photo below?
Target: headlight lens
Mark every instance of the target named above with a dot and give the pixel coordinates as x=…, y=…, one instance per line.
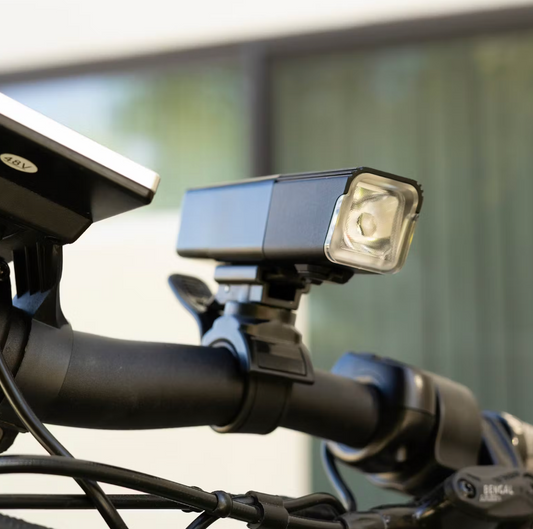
x=373, y=224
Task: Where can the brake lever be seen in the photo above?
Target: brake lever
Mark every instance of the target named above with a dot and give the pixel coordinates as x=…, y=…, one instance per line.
x=483, y=497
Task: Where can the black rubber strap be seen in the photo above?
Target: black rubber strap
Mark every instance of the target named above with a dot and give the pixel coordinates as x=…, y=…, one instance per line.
x=52, y=362
x=263, y=406
x=274, y=513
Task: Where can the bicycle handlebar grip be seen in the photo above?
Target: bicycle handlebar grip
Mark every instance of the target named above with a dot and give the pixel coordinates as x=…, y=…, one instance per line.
x=121, y=384
x=87, y=381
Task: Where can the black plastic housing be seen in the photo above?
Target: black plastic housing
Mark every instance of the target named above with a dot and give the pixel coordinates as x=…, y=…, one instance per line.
x=430, y=426
x=278, y=219
x=54, y=182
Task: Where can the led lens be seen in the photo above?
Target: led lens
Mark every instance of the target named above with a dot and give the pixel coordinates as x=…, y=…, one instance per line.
x=372, y=225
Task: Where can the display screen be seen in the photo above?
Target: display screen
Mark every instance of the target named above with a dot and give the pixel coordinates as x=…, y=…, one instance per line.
x=55, y=182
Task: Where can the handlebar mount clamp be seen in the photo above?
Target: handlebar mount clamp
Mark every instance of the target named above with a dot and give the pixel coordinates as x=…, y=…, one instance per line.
x=38, y=267
x=253, y=315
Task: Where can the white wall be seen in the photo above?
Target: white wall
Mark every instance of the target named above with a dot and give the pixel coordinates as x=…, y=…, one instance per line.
x=115, y=283
x=37, y=33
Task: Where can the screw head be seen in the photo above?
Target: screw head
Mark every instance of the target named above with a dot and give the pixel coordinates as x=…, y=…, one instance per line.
x=466, y=488
x=4, y=270
x=401, y=454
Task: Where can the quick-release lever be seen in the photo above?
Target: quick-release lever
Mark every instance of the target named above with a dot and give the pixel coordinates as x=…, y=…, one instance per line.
x=196, y=297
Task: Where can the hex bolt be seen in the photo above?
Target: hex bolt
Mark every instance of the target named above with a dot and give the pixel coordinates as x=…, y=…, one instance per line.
x=467, y=489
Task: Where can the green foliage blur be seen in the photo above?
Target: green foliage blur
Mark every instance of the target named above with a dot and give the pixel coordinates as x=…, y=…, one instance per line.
x=189, y=123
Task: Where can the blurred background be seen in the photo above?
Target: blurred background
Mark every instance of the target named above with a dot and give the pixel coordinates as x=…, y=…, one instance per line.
x=211, y=91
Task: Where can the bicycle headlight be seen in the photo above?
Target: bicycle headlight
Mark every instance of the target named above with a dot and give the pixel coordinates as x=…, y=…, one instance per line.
x=373, y=224
x=357, y=218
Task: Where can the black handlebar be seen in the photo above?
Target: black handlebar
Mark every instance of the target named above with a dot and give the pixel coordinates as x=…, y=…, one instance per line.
x=82, y=380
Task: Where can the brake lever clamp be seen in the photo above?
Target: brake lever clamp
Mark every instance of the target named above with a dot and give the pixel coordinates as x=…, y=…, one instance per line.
x=501, y=495
x=482, y=497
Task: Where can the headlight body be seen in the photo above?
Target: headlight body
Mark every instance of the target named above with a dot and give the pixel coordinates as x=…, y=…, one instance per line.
x=358, y=218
